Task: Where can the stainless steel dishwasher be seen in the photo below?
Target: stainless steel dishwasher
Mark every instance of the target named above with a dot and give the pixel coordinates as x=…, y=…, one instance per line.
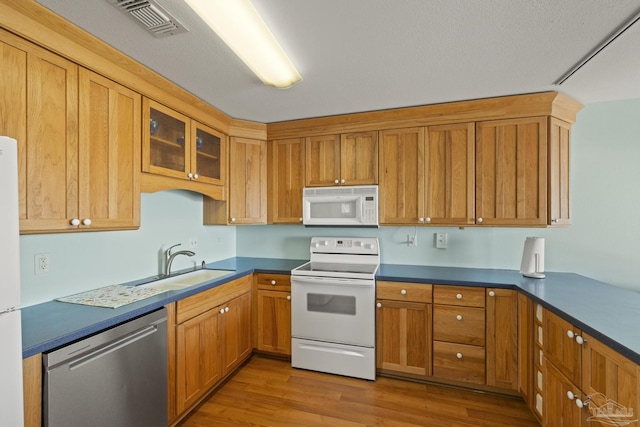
x=117, y=377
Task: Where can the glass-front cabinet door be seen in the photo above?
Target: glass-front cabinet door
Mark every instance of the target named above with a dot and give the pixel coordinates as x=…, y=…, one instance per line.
x=166, y=142
x=209, y=148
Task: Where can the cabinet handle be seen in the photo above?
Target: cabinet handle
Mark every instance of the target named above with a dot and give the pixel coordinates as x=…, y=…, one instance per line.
x=459, y=355
x=233, y=220
x=273, y=282
x=554, y=221
x=226, y=309
x=342, y=181
x=427, y=219
x=189, y=175
x=403, y=292
x=86, y=221
x=570, y=334
x=459, y=317
x=299, y=219
x=378, y=305
x=222, y=311
x=336, y=181
x=459, y=296
x=288, y=297
x=492, y=294
x=479, y=220
x=196, y=176
x=570, y=395
x=579, y=340
x=75, y=222
x=420, y=219
x=579, y=403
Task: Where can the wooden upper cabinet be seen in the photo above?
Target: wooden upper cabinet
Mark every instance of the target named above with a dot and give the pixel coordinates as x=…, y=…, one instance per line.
x=286, y=180
x=449, y=174
x=427, y=175
x=359, y=158
x=511, y=171
x=109, y=126
x=402, y=176
x=42, y=87
x=559, y=211
x=208, y=154
x=248, y=181
x=348, y=159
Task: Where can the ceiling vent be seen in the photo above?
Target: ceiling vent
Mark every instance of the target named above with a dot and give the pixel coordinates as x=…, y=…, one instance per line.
x=153, y=17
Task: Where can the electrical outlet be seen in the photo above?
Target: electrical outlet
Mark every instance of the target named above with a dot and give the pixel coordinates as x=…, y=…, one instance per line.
x=441, y=240
x=193, y=243
x=42, y=263
x=412, y=240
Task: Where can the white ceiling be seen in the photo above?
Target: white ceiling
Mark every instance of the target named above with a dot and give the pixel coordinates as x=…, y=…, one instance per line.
x=363, y=55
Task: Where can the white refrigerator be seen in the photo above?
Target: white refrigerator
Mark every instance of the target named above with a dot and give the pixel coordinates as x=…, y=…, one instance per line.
x=11, y=403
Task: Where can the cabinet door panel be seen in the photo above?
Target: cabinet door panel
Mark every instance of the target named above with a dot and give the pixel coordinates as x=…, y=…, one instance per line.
x=359, y=158
x=323, y=160
x=463, y=325
x=559, y=210
x=560, y=411
x=235, y=332
x=502, y=338
x=511, y=172
x=109, y=153
x=459, y=362
x=286, y=177
x=274, y=322
x=559, y=348
x=208, y=154
x=402, y=180
x=248, y=181
x=450, y=169
x=403, y=337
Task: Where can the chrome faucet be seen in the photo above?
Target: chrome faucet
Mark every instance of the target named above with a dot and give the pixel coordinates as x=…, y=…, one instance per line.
x=168, y=258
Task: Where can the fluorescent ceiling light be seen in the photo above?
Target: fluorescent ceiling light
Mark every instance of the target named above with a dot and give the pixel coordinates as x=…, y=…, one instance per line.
x=238, y=24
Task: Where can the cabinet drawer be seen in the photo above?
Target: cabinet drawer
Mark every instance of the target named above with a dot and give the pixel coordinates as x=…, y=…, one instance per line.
x=459, y=362
x=274, y=282
x=401, y=291
x=463, y=325
x=206, y=300
x=458, y=295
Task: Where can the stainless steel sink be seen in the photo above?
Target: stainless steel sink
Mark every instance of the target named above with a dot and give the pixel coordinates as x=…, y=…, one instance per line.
x=186, y=280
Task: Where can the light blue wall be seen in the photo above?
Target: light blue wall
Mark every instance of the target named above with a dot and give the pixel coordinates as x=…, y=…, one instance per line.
x=84, y=261
x=603, y=241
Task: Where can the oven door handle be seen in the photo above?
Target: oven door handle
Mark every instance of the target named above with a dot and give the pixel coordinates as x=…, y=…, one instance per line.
x=333, y=281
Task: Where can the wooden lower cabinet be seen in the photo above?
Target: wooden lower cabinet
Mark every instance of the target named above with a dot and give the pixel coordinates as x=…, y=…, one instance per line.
x=273, y=313
x=502, y=338
x=459, y=362
x=32, y=385
x=212, y=338
x=403, y=329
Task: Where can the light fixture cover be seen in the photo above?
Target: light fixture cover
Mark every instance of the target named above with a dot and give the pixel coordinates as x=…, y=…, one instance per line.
x=240, y=26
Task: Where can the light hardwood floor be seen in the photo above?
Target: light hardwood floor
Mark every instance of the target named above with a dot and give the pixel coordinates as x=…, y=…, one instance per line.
x=269, y=392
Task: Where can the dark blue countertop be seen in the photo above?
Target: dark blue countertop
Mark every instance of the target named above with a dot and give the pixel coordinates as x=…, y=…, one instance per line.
x=605, y=312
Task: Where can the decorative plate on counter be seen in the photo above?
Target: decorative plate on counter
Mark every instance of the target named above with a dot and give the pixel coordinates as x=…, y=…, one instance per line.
x=113, y=296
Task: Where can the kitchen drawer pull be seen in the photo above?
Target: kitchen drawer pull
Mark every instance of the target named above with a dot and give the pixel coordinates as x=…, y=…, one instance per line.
x=579, y=340
x=459, y=317
x=570, y=334
x=273, y=282
x=459, y=296
x=459, y=355
x=403, y=292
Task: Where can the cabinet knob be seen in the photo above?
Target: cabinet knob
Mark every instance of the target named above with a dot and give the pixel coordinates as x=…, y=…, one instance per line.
x=75, y=222
x=479, y=220
x=427, y=219
x=342, y=181
x=300, y=219
x=459, y=355
x=86, y=221
x=570, y=395
x=492, y=294
x=273, y=282
x=420, y=219
x=459, y=317
x=288, y=297
x=459, y=296
x=226, y=309
x=554, y=221
x=233, y=220
x=196, y=176
x=189, y=175
x=222, y=311
x=579, y=340
x=378, y=305
x=570, y=334
x=336, y=181
x=579, y=403
x=403, y=292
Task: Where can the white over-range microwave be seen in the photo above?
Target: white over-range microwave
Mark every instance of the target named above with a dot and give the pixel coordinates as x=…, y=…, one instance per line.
x=344, y=206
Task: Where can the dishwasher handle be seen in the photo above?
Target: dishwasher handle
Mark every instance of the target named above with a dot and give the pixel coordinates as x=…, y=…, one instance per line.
x=113, y=346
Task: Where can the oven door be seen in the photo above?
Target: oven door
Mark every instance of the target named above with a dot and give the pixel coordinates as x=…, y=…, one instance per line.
x=333, y=310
